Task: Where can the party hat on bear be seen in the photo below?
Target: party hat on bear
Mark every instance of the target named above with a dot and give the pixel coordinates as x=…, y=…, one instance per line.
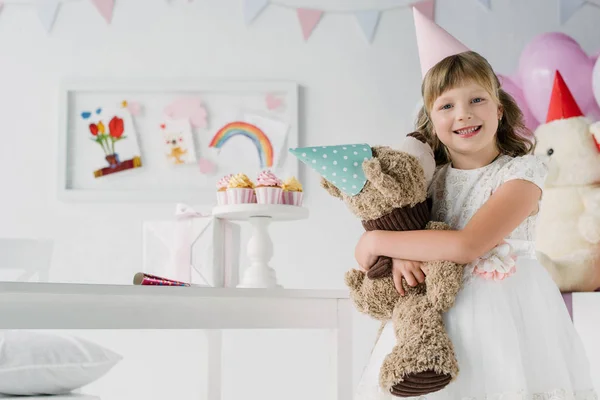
x=562, y=103
x=434, y=42
x=341, y=165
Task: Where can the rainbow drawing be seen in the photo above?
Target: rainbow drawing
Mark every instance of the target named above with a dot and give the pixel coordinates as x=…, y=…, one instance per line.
x=258, y=137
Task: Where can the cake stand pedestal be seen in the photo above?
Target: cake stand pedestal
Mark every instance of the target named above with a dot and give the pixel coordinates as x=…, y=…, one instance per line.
x=260, y=246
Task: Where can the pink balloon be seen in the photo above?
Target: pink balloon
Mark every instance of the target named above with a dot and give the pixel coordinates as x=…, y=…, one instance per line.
x=537, y=68
x=547, y=41
x=514, y=90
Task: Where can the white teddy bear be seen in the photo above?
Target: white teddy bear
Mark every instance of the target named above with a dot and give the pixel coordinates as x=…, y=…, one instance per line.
x=568, y=224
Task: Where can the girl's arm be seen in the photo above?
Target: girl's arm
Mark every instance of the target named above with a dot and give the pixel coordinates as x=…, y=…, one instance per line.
x=510, y=204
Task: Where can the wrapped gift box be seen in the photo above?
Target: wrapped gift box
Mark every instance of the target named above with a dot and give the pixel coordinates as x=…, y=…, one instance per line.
x=199, y=249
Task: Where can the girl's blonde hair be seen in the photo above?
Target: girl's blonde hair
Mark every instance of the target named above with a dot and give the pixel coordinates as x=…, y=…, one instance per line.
x=512, y=137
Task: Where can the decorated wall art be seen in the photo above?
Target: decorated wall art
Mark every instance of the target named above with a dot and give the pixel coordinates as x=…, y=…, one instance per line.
x=171, y=141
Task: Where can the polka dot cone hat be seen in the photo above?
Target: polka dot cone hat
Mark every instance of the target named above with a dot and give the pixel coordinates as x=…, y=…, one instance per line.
x=340, y=165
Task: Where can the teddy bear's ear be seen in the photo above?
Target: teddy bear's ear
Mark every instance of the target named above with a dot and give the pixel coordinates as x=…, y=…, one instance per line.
x=378, y=178
x=331, y=189
x=404, y=185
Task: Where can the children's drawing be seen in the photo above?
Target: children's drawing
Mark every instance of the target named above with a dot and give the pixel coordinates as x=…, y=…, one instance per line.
x=258, y=137
x=179, y=144
x=273, y=102
x=113, y=132
x=190, y=108
x=133, y=106
x=266, y=135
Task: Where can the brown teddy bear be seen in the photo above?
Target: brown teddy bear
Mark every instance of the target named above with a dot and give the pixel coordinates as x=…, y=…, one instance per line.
x=387, y=190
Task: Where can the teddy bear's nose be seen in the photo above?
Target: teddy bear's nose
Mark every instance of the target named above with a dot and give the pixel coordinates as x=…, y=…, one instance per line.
x=173, y=141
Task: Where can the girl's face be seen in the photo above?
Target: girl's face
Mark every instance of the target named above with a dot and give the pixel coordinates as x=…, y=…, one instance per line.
x=465, y=119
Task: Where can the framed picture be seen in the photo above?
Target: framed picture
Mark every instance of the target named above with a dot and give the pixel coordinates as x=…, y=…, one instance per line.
x=171, y=141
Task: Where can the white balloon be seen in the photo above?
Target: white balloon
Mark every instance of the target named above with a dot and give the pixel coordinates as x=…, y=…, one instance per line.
x=596, y=81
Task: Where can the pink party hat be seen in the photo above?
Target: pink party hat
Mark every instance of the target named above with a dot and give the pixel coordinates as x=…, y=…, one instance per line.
x=434, y=42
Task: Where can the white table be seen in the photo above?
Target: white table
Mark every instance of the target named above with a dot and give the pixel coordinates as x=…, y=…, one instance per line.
x=81, y=306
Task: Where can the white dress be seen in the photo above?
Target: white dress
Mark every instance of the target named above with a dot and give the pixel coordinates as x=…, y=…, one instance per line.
x=511, y=331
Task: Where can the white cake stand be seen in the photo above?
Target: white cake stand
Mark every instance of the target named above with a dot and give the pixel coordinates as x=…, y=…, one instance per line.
x=260, y=245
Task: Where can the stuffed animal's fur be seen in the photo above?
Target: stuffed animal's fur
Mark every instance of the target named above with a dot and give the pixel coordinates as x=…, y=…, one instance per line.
x=568, y=224
x=422, y=342
x=395, y=198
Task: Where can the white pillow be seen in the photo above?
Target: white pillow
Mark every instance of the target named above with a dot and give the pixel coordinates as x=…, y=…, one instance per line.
x=34, y=363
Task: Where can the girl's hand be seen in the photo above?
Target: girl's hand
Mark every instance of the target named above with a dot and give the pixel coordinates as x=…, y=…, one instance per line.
x=412, y=271
x=364, y=252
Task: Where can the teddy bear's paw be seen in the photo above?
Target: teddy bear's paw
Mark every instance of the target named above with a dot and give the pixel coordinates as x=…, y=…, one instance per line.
x=396, y=378
x=376, y=298
x=420, y=384
x=354, y=279
x=381, y=269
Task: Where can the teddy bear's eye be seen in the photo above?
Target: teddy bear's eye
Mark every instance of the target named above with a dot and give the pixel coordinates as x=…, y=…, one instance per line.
x=550, y=152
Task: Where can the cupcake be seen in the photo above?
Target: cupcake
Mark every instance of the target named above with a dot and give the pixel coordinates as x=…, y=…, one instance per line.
x=240, y=190
x=222, y=189
x=268, y=188
x=292, y=192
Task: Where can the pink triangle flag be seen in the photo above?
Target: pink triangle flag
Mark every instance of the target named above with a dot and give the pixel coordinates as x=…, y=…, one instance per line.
x=426, y=7
x=105, y=8
x=308, y=20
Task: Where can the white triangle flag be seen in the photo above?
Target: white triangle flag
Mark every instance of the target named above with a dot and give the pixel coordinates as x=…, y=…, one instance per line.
x=368, y=21
x=567, y=8
x=252, y=8
x=486, y=3
x=47, y=10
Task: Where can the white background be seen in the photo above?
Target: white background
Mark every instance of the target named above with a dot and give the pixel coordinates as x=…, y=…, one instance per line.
x=351, y=92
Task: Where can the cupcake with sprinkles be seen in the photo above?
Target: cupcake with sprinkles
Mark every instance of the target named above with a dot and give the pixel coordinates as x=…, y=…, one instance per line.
x=268, y=188
x=222, y=189
x=240, y=190
x=292, y=192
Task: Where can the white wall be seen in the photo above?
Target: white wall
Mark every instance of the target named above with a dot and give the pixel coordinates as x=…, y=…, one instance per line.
x=351, y=90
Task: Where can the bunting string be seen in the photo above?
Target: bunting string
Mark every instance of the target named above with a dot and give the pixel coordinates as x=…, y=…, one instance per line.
x=309, y=18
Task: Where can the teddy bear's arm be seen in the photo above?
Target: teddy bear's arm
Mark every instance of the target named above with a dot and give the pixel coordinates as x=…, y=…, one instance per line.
x=589, y=221
x=444, y=281
x=444, y=278
x=374, y=297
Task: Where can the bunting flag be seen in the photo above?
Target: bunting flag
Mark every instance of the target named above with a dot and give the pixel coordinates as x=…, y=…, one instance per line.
x=309, y=19
x=105, y=8
x=47, y=10
x=426, y=7
x=368, y=21
x=252, y=8
x=486, y=3
x=567, y=8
